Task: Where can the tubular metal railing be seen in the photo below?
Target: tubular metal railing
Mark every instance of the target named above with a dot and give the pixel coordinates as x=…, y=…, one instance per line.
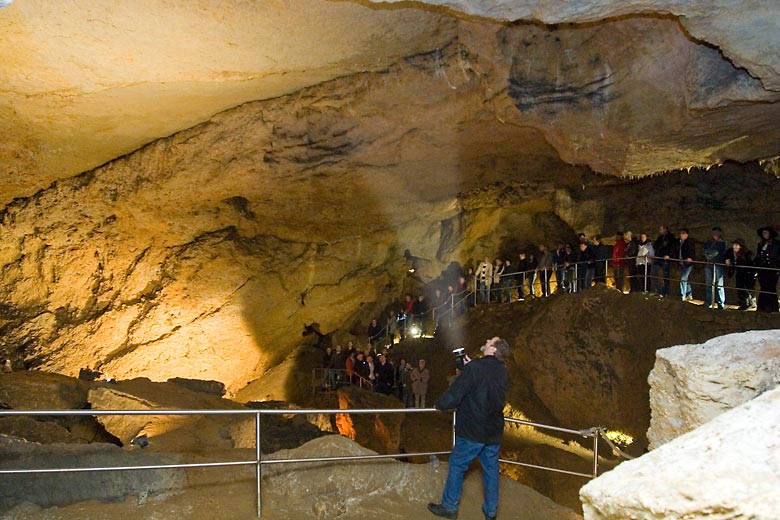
x=563, y=277
x=258, y=461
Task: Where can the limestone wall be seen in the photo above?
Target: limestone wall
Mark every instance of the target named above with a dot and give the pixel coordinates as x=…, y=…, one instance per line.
x=726, y=469
x=692, y=384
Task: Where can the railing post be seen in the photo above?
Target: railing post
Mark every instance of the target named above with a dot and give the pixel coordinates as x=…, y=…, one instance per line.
x=453, y=430
x=714, y=284
x=596, y=453
x=644, y=267
x=452, y=307
x=257, y=457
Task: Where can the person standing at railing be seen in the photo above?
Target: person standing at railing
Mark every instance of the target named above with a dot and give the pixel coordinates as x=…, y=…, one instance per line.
x=361, y=369
x=586, y=266
x=328, y=364
x=484, y=277
x=665, y=249
x=507, y=281
x=498, y=271
x=686, y=253
x=714, y=253
x=602, y=253
x=520, y=268
x=533, y=264
x=570, y=264
x=471, y=287
x=407, y=397
x=546, y=262
x=560, y=268
x=767, y=256
x=618, y=260
x=632, y=251
x=406, y=311
x=339, y=365
x=374, y=333
x=385, y=375
x=391, y=326
x=644, y=261
x=478, y=396
x=420, y=378
x=349, y=367
x=739, y=262
x=420, y=311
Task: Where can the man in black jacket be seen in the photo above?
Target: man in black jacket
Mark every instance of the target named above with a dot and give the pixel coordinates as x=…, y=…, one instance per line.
x=665, y=249
x=478, y=395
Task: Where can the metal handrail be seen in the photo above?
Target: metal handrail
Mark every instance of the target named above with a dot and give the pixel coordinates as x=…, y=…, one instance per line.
x=362, y=382
x=259, y=462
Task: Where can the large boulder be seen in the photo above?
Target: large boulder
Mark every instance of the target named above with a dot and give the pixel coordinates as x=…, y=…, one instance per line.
x=168, y=432
x=692, y=384
x=727, y=468
x=56, y=489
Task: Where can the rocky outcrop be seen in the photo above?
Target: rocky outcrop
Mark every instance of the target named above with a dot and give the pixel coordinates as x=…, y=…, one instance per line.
x=378, y=432
x=692, y=384
x=53, y=489
x=727, y=468
x=598, y=347
x=170, y=432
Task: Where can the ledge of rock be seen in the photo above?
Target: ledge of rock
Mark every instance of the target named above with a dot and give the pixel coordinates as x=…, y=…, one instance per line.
x=168, y=432
x=56, y=489
x=692, y=384
x=727, y=468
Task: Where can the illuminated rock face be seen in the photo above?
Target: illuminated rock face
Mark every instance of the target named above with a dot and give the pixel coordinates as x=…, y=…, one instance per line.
x=710, y=472
x=201, y=255
x=692, y=384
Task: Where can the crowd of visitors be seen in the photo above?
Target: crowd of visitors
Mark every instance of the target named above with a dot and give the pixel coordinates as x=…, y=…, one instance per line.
x=375, y=371
x=633, y=264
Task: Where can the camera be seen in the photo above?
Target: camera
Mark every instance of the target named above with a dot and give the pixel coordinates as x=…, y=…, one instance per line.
x=460, y=357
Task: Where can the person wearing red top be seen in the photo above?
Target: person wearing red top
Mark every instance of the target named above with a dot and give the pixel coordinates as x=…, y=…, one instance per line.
x=618, y=260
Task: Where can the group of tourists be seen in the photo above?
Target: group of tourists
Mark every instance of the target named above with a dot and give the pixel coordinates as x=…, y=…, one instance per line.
x=375, y=371
x=634, y=263
x=645, y=264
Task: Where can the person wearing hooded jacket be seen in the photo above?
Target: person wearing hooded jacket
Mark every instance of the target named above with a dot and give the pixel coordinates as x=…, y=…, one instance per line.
x=768, y=257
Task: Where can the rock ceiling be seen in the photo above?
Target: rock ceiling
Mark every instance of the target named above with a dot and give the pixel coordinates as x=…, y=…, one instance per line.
x=186, y=183
x=627, y=88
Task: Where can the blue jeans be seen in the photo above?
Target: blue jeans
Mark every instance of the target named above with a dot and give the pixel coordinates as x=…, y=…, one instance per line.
x=713, y=277
x=463, y=453
x=484, y=292
x=662, y=283
x=685, y=286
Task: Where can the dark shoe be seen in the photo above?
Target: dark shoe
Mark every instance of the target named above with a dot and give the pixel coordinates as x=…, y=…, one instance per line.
x=439, y=510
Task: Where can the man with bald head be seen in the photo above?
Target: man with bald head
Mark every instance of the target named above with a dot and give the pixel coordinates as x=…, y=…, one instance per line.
x=478, y=395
